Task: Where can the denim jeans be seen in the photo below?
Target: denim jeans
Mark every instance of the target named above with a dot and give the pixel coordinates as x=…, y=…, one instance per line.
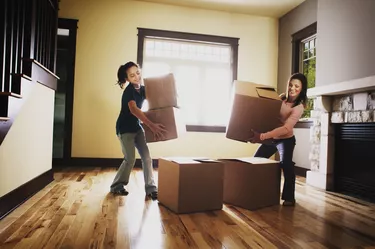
x=285, y=148
x=130, y=141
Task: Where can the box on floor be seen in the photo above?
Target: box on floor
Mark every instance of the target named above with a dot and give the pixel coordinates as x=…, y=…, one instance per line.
x=251, y=183
x=187, y=185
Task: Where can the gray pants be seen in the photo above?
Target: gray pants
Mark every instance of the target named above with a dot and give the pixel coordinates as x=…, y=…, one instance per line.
x=130, y=141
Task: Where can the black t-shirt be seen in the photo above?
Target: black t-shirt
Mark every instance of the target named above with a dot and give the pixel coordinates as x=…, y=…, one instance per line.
x=127, y=122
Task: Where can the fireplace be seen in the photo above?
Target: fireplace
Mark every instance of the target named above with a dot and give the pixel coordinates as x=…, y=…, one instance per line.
x=342, y=138
x=354, y=164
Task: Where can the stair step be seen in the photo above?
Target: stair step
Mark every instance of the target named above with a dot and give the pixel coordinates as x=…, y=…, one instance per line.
x=11, y=94
x=22, y=75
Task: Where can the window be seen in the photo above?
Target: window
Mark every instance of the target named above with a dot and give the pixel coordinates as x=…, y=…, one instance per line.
x=304, y=59
x=204, y=68
x=308, y=66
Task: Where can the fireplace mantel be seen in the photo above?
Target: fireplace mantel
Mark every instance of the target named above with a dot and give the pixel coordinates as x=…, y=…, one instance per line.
x=346, y=87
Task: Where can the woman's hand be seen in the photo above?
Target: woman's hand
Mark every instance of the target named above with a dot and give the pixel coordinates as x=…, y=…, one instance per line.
x=255, y=138
x=158, y=130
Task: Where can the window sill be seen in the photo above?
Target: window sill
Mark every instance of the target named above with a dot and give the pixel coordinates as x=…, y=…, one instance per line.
x=305, y=123
x=205, y=128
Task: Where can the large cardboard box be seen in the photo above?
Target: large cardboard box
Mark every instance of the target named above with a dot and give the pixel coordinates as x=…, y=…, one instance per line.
x=251, y=183
x=161, y=91
x=171, y=118
x=254, y=107
x=186, y=185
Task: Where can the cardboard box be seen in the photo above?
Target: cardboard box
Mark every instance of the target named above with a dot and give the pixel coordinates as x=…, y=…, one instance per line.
x=171, y=118
x=161, y=91
x=186, y=185
x=254, y=107
x=251, y=183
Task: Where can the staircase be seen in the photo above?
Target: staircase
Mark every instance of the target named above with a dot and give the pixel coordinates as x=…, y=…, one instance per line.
x=28, y=31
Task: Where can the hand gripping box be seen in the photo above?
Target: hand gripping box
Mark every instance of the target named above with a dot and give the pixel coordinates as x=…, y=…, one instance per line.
x=254, y=107
x=171, y=118
x=251, y=183
x=187, y=185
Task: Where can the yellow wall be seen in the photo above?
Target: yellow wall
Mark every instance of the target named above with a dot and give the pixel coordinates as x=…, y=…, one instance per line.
x=26, y=151
x=107, y=37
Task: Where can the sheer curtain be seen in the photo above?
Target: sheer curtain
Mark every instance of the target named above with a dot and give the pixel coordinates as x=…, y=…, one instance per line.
x=203, y=77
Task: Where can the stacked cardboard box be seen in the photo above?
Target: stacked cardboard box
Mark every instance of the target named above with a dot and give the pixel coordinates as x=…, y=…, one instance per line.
x=189, y=185
x=254, y=107
x=161, y=95
x=251, y=183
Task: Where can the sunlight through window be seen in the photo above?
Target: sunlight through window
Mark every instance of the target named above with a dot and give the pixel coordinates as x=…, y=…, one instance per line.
x=203, y=76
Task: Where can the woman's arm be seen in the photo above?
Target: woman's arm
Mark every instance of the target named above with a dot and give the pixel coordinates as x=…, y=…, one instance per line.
x=288, y=125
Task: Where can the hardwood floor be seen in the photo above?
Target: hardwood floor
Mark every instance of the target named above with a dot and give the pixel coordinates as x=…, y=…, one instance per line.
x=76, y=211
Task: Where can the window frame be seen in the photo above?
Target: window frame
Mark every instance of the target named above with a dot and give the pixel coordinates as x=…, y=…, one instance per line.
x=297, y=38
x=233, y=42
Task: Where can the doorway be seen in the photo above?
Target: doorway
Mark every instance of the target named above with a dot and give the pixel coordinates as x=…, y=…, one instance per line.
x=63, y=115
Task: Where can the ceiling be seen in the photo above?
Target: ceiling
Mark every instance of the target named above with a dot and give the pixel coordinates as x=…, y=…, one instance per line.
x=271, y=8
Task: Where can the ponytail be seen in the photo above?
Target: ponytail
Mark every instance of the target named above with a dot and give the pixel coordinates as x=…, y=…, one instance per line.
x=122, y=73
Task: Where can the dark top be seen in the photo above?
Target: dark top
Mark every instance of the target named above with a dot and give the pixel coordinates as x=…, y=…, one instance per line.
x=126, y=121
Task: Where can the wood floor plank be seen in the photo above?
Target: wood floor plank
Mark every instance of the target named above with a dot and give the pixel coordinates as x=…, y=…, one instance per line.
x=21, y=210
x=40, y=220
x=122, y=233
x=56, y=220
x=32, y=213
x=111, y=223
x=77, y=211
x=276, y=239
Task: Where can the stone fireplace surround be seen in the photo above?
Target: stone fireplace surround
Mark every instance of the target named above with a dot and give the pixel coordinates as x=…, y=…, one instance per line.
x=345, y=102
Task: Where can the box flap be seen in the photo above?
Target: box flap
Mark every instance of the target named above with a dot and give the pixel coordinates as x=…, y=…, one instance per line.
x=206, y=160
x=257, y=160
x=230, y=159
x=255, y=90
x=252, y=160
x=184, y=160
x=245, y=88
x=267, y=92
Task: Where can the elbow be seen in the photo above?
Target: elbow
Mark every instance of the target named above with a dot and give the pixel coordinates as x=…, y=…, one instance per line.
x=288, y=129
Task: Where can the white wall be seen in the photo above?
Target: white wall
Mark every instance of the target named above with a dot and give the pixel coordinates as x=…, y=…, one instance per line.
x=302, y=149
x=26, y=151
x=345, y=41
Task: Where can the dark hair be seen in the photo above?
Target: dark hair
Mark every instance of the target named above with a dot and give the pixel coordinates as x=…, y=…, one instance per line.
x=122, y=72
x=302, y=97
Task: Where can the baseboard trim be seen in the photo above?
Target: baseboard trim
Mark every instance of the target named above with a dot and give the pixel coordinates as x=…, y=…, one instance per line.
x=21, y=194
x=115, y=162
x=95, y=162
x=299, y=171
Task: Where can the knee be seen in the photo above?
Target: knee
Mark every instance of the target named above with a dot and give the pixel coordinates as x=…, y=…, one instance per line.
x=147, y=161
x=287, y=164
x=287, y=167
x=130, y=161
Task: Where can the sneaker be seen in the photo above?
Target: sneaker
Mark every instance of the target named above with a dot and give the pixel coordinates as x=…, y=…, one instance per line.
x=120, y=192
x=153, y=195
x=289, y=203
